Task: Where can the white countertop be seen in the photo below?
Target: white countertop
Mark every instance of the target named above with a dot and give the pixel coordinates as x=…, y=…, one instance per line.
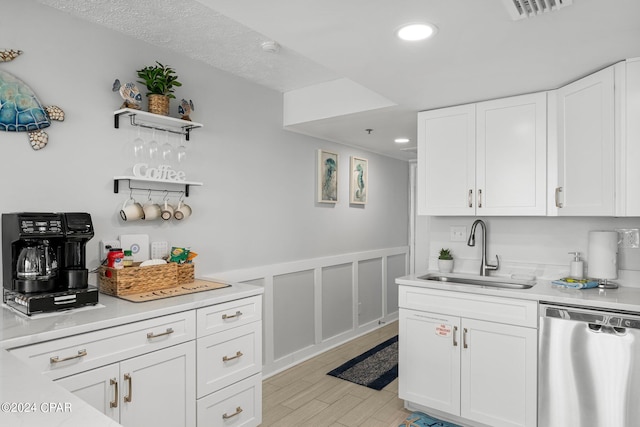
x=623, y=298
x=20, y=385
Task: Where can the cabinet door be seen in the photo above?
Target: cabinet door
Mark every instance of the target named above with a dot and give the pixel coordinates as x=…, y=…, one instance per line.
x=158, y=389
x=586, y=172
x=499, y=374
x=98, y=387
x=511, y=156
x=446, y=161
x=429, y=360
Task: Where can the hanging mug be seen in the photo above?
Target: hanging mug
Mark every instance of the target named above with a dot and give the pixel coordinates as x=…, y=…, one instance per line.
x=183, y=211
x=167, y=211
x=131, y=212
x=152, y=211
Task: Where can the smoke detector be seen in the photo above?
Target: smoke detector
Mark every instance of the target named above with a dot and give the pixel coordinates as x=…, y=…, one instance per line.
x=521, y=9
x=270, y=46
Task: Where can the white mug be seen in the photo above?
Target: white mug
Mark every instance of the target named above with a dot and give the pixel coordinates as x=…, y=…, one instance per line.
x=152, y=211
x=167, y=211
x=131, y=212
x=183, y=211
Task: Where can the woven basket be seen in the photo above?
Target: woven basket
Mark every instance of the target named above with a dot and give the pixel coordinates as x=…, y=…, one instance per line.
x=159, y=104
x=134, y=280
x=186, y=273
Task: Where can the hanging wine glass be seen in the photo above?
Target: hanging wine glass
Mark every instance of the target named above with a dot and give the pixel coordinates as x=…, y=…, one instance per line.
x=182, y=151
x=134, y=148
x=166, y=151
x=152, y=150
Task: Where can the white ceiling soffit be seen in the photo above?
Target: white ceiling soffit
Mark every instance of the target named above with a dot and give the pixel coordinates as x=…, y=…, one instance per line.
x=520, y=9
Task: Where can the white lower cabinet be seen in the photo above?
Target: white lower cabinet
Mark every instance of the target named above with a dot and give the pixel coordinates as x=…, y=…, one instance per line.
x=229, y=353
x=155, y=389
x=476, y=370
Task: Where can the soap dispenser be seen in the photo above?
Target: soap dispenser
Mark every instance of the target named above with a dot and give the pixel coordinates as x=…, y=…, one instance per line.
x=576, y=268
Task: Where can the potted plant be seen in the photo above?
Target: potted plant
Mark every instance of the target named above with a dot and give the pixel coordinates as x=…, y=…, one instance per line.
x=445, y=261
x=160, y=81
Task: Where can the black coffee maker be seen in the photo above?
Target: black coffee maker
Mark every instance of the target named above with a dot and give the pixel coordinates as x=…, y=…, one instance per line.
x=44, y=261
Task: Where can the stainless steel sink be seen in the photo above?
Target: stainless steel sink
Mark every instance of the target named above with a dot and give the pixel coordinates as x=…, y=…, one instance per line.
x=489, y=282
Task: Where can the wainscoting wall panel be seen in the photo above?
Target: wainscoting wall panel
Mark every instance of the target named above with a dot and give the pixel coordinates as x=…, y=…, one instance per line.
x=312, y=305
x=337, y=300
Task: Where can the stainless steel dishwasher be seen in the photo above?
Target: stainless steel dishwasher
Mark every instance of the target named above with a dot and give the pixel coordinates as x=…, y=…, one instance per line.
x=589, y=368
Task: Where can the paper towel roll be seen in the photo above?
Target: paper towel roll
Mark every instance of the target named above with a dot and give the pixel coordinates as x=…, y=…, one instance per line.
x=603, y=254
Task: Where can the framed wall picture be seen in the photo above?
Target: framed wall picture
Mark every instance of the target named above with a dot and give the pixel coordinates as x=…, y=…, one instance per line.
x=327, y=177
x=358, y=181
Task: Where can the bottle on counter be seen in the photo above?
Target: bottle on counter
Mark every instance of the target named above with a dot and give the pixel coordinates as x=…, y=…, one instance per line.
x=115, y=258
x=576, y=267
x=127, y=261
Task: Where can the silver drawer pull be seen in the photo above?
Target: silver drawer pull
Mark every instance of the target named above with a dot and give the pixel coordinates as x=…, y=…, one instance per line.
x=114, y=402
x=152, y=335
x=231, y=316
x=129, y=396
x=56, y=359
x=226, y=416
x=227, y=358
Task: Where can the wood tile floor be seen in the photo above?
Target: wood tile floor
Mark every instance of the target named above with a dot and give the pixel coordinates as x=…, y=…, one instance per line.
x=305, y=396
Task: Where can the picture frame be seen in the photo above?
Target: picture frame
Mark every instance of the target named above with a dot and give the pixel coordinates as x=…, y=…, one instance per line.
x=358, y=181
x=327, y=179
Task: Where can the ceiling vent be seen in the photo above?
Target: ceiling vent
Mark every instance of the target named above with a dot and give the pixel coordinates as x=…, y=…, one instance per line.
x=520, y=9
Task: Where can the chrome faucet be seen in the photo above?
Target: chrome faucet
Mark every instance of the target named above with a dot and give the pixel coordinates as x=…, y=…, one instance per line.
x=484, y=267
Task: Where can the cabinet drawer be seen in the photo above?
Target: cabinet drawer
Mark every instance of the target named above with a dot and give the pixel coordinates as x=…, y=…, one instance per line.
x=67, y=356
x=482, y=307
x=230, y=314
x=238, y=405
x=229, y=356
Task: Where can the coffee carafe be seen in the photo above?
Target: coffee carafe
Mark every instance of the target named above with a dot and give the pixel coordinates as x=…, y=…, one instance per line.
x=37, y=266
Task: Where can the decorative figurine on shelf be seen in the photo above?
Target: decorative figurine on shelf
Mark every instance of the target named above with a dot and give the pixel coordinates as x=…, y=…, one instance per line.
x=130, y=93
x=20, y=109
x=185, y=108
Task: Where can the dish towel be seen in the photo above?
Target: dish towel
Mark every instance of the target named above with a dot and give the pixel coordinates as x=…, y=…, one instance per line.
x=568, y=282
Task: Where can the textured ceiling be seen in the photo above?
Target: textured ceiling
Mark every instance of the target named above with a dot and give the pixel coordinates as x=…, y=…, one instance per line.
x=212, y=38
x=478, y=53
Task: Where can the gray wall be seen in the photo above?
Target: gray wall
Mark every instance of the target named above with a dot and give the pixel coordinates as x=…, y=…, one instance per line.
x=257, y=205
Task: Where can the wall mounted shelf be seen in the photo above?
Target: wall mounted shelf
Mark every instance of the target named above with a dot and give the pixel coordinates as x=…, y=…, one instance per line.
x=149, y=182
x=155, y=121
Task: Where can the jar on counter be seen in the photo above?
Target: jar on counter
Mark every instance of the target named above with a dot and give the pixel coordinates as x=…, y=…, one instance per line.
x=127, y=261
x=115, y=258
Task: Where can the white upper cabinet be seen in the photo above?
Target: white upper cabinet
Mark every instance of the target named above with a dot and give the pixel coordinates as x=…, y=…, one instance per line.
x=446, y=161
x=627, y=92
x=595, y=149
x=484, y=159
x=511, y=156
x=585, y=146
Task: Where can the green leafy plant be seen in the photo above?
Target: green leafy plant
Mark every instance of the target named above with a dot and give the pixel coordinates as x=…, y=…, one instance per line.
x=445, y=254
x=159, y=79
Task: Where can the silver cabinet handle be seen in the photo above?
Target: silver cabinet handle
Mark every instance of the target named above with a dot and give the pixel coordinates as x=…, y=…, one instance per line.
x=479, y=198
x=56, y=359
x=129, y=395
x=226, y=416
x=167, y=332
x=464, y=338
x=231, y=316
x=114, y=402
x=558, y=191
x=455, y=331
x=470, y=198
x=227, y=358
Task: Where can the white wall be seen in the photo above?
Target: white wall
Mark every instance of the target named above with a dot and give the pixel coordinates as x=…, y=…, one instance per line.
x=257, y=205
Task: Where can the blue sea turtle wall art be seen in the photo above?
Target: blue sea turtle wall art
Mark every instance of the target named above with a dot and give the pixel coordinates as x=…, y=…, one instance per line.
x=20, y=109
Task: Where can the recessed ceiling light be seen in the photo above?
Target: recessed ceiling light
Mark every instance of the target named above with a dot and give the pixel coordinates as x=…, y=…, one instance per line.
x=401, y=140
x=416, y=32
